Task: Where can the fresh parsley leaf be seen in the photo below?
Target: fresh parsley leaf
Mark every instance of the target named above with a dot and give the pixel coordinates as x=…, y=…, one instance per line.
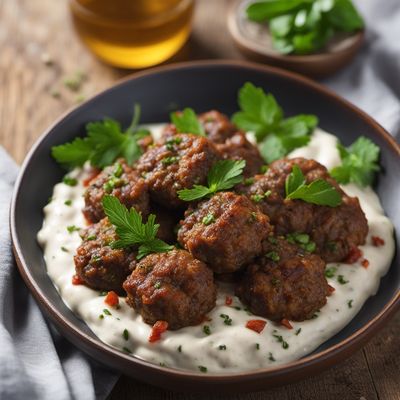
x=318, y=192
x=131, y=229
x=359, y=162
x=187, y=122
x=104, y=142
x=305, y=26
x=261, y=114
x=223, y=176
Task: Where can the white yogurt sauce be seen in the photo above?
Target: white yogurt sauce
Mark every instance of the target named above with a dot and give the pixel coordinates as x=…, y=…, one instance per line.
x=189, y=348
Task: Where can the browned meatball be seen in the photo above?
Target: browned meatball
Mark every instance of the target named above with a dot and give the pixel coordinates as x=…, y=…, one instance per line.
x=286, y=282
x=172, y=287
x=238, y=147
x=225, y=231
x=335, y=230
x=121, y=181
x=97, y=264
x=176, y=163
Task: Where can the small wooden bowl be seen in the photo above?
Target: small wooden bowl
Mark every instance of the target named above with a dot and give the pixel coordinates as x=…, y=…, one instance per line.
x=255, y=41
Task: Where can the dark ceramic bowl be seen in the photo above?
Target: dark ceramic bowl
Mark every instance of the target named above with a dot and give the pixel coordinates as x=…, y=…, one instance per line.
x=203, y=86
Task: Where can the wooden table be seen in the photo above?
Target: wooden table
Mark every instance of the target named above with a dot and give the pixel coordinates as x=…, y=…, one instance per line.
x=38, y=49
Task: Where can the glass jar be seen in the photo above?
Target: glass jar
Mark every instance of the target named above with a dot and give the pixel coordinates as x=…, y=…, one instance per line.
x=133, y=33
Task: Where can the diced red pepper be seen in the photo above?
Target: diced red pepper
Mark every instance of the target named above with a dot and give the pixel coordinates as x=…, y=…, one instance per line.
x=354, y=255
x=112, y=299
x=256, y=325
x=93, y=173
x=331, y=289
x=76, y=280
x=228, y=300
x=365, y=263
x=285, y=322
x=377, y=241
x=158, y=329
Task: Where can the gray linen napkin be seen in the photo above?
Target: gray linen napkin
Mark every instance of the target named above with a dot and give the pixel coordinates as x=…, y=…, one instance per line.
x=36, y=363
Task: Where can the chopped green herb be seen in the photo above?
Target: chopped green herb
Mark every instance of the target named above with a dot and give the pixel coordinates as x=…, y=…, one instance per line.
x=272, y=240
x=248, y=181
x=275, y=281
x=72, y=228
x=208, y=219
x=261, y=114
x=258, y=346
x=273, y=255
x=125, y=334
x=170, y=143
x=104, y=293
x=314, y=316
x=330, y=272
x=297, y=331
x=271, y=357
x=206, y=330
x=264, y=169
x=180, y=348
x=157, y=285
x=280, y=339
x=222, y=347
x=223, y=176
x=112, y=183
x=104, y=143
x=350, y=303
x=64, y=249
x=126, y=350
x=187, y=122
x=226, y=318
x=359, y=162
x=170, y=160
x=342, y=280
x=68, y=202
x=318, y=192
x=70, y=181
x=91, y=237
x=332, y=246
x=237, y=308
x=131, y=229
x=202, y=368
x=75, y=81
x=101, y=316
x=106, y=312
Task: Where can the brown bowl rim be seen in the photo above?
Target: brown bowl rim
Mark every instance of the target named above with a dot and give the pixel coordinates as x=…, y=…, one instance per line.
x=321, y=360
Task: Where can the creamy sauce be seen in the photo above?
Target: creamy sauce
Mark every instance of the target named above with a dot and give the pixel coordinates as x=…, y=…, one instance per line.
x=228, y=347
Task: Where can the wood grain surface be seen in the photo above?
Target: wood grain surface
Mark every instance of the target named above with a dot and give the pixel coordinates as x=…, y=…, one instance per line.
x=38, y=50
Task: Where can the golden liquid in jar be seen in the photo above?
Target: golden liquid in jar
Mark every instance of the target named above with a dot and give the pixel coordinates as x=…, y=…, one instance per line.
x=133, y=33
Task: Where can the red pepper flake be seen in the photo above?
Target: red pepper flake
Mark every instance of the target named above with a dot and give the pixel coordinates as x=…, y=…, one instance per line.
x=286, y=323
x=158, y=329
x=365, y=263
x=228, y=300
x=256, y=325
x=76, y=280
x=111, y=299
x=331, y=289
x=354, y=255
x=93, y=173
x=377, y=241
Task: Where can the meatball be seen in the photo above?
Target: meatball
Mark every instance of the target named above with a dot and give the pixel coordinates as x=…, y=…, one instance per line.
x=176, y=163
x=225, y=231
x=286, y=282
x=237, y=147
x=335, y=230
x=172, y=287
x=97, y=264
x=121, y=181
x=218, y=127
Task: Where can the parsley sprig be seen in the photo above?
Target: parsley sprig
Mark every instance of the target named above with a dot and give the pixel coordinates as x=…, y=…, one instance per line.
x=318, y=192
x=305, y=26
x=261, y=114
x=104, y=143
x=223, y=175
x=359, y=162
x=131, y=229
x=187, y=122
